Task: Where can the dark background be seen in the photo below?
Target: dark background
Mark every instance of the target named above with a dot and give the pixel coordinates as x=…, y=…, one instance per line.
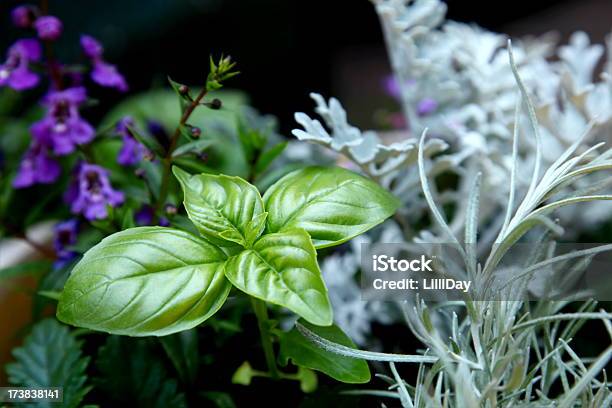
x=285, y=49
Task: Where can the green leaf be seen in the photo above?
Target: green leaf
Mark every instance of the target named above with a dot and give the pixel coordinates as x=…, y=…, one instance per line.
x=182, y=349
x=184, y=97
x=51, y=357
x=332, y=204
x=25, y=269
x=282, y=268
x=196, y=147
x=133, y=375
x=148, y=141
x=254, y=228
x=305, y=353
x=221, y=206
x=219, y=399
x=267, y=157
x=145, y=281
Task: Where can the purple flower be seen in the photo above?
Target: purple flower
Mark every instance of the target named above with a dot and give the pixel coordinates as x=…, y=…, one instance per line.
x=426, y=106
x=23, y=16
x=132, y=151
x=63, y=126
x=103, y=73
x=91, y=192
x=48, y=27
x=15, y=71
x=36, y=167
x=65, y=236
x=144, y=216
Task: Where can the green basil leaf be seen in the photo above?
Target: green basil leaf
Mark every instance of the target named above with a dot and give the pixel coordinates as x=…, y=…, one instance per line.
x=282, y=268
x=145, y=281
x=332, y=204
x=220, y=206
x=305, y=353
x=255, y=227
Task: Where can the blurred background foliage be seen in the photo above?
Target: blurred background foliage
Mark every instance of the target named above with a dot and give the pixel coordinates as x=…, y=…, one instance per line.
x=285, y=49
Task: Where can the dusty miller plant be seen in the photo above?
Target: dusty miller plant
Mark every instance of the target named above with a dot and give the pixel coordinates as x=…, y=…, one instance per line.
x=501, y=352
x=461, y=75
x=488, y=353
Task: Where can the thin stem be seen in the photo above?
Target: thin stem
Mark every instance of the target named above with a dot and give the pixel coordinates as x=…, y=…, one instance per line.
x=261, y=312
x=167, y=160
x=52, y=66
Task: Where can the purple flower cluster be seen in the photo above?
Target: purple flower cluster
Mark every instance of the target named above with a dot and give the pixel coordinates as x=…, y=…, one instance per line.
x=103, y=73
x=90, y=192
x=62, y=128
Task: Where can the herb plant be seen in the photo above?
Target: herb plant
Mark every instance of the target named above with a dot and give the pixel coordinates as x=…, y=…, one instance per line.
x=159, y=280
x=183, y=227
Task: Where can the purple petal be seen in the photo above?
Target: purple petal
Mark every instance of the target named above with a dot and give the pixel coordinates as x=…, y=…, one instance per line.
x=105, y=74
x=80, y=132
x=130, y=153
x=22, y=79
x=91, y=47
x=29, y=48
x=36, y=167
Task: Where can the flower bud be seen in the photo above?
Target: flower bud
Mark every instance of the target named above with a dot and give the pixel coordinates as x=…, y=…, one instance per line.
x=216, y=104
x=196, y=132
x=170, y=209
x=48, y=27
x=183, y=89
x=23, y=16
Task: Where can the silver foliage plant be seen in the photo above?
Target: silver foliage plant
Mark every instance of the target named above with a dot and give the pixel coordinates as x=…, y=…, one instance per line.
x=516, y=172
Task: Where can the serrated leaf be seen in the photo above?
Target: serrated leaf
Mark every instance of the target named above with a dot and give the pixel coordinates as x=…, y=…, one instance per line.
x=304, y=353
x=332, y=204
x=220, y=206
x=267, y=157
x=145, y=281
x=132, y=375
x=51, y=357
x=282, y=268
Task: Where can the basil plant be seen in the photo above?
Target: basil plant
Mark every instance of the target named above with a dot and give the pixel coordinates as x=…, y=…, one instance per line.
x=154, y=281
